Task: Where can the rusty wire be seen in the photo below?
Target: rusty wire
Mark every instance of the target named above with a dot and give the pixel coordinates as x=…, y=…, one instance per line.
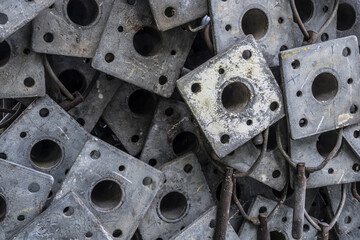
x=315, y=222
x=310, y=36
x=5, y=122
x=238, y=174
x=53, y=76
x=322, y=164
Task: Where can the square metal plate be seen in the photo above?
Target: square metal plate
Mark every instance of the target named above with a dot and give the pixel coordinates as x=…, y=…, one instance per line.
x=320, y=86
x=132, y=50
x=62, y=32
x=186, y=183
x=21, y=70
x=233, y=96
x=173, y=13
x=22, y=12
x=116, y=187
x=23, y=193
x=270, y=22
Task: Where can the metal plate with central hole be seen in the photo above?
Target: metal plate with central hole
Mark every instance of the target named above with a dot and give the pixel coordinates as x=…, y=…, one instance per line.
x=203, y=228
x=233, y=96
x=343, y=168
x=47, y=138
x=348, y=219
x=89, y=111
x=129, y=115
x=71, y=27
x=171, y=134
x=133, y=50
x=173, y=13
x=314, y=13
x=348, y=18
x=16, y=14
x=183, y=198
x=23, y=193
x=272, y=170
x=279, y=225
x=21, y=70
x=117, y=188
x=68, y=218
x=316, y=79
x=270, y=22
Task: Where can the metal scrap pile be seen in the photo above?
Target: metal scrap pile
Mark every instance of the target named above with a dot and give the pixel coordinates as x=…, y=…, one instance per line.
x=179, y=119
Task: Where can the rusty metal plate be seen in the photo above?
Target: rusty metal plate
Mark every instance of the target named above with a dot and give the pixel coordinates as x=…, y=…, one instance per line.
x=272, y=170
x=315, y=79
x=23, y=193
x=90, y=110
x=173, y=13
x=348, y=220
x=183, y=198
x=16, y=14
x=47, y=138
x=129, y=115
x=21, y=70
x=68, y=218
x=280, y=224
x=117, y=188
x=233, y=96
x=172, y=134
x=203, y=228
x=270, y=22
x=313, y=150
x=71, y=27
x=132, y=50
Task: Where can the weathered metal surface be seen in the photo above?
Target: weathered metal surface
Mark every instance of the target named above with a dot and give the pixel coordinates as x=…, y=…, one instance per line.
x=173, y=13
x=348, y=18
x=203, y=228
x=280, y=224
x=272, y=170
x=90, y=110
x=23, y=193
x=21, y=70
x=233, y=96
x=172, y=134
x=270, y=22
x=16, y=14
x=352, y=137
x=183, y=197
x=133, y=50
x=315, y=79
x=71, y=28
x=68, y=218
x=103, y=178
x=348, y=220
x=313, y=150
x=129, y=115
x=49, y=140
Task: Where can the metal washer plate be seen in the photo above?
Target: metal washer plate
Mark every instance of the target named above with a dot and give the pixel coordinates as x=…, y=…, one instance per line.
x=22, y=64
x=227, y=25
x=22, y=12
x=139, y=184
x=202, y=90
x=16, y=182
x=308, y=116
x=158, y=71
x=69, y=38
x=185, y=11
